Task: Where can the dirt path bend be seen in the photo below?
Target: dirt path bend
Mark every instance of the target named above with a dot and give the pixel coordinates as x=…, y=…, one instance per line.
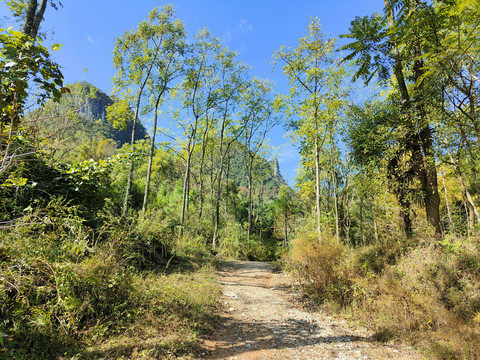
x=261, y=320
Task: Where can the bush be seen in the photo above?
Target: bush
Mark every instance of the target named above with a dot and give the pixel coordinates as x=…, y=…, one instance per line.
x=323, y=267
x=143, y=243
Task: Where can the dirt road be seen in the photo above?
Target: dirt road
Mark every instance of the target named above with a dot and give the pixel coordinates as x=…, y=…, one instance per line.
x=261, y=320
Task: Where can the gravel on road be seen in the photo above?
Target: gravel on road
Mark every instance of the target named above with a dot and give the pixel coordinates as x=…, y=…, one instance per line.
x=263, y=319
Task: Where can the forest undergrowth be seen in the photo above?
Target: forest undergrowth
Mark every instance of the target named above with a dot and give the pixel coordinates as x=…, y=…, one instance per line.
x=424, y=291
x=125, y=291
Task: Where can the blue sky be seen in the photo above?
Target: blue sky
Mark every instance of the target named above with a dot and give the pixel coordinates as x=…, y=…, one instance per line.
x=254, y=28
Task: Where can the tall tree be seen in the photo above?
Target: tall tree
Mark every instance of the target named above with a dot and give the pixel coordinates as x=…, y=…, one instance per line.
x=258, y=119
x=134, y=56
x=315, y=78
x=395, y=42
x=232, y=77
x=167, y=41
x=197, y=94
x=376, y=137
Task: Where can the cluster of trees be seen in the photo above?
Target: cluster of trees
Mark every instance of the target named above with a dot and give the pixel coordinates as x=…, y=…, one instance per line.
x=220, y=108
x=421, y=128
x=425, y=53
x=407, y=150
x=222, y=112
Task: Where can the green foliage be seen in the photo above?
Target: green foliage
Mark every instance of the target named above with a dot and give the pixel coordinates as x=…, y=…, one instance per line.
x=86, y=185
x=65, y=286
x=369, y=34
x=314, y=109
x=119, y=114
x=285, y=207
x=23, y=61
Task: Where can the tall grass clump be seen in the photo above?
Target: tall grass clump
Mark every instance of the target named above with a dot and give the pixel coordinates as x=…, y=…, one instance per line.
x=322, y=265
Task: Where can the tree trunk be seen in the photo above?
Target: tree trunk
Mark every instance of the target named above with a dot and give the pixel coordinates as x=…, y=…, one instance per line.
x=223, y=156
x=473, y=211
x=33, y=18
x=227, y=195
x=217, y=202
x=471, y=158
x=362, y=232
x=346, y=200
x=375, y=223
x=150, y=161
x=428, y=172
x=335, y=199
x=186, y=181
x=317, y=189
x=426, y=160
x=449, y=212
x=405, y=221
x=132, y=140
x=260, y=211
x=430, y=184
x=152, y=151
x=250, y=202
x=202, y=162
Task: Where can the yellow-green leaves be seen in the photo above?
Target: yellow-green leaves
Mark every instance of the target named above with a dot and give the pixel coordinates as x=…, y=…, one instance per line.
x=119, y=114
x=56, y=47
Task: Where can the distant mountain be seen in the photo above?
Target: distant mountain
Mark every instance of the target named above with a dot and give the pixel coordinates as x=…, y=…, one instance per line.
x=77, y=127
x=266, y=172
x=96, y=103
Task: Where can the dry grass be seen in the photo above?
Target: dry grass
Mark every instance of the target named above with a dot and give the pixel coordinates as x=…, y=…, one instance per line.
x=425, y=292
x=175, y=309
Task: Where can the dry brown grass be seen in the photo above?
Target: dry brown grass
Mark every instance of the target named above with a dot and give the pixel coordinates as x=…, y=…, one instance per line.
x=425, y=292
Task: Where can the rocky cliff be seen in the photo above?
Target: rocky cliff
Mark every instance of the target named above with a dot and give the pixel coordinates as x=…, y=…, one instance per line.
x=76, y=127
x=95, y=104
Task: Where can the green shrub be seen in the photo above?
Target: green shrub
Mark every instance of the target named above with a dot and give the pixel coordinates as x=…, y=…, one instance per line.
x=67, y=289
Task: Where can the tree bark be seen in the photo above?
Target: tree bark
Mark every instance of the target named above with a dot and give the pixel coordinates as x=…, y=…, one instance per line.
x=186, y=179
x=250, y=192
x=317, y=190
x=375, y=222
x=202, y=162
x=426, y=159
x=473, y=211
x=335, y=195
x=132, y=140
x=33, y=18
x=449, y=212
x=150, y=155
x=428, y=173
x=362, y=231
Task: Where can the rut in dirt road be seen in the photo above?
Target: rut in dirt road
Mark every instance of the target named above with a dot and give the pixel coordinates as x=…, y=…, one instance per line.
x=262, y=320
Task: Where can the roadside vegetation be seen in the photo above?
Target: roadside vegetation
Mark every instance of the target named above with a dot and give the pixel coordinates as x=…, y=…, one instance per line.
x=108, y=238
x=397, y=243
